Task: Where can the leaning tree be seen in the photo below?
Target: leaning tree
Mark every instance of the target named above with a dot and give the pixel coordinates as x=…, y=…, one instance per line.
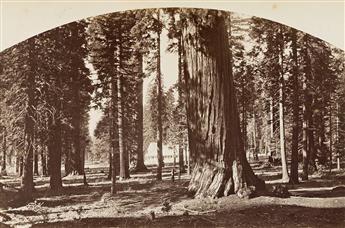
x=215, y=142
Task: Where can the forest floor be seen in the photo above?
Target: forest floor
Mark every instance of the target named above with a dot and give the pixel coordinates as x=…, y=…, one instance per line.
x=142, y=201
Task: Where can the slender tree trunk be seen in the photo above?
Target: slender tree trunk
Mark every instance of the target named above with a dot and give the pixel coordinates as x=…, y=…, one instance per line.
x=330, y=135
x=160, y=107
x=140, y=166
x=55, y=143
x=322, y=140
x=285, y=174
x=244, y=124
x=306, y=110
x=27, y=179
x=311, y=140
x=43, y=161
x=114, y=130
x=54, y=154
x=221, y=167
x=255, y=144
x=17, y=162
x=76, y=161
x=181, y=106
x=68, y=156
x=21, y=166
x=4, y=155
x=110, y=159
x=36, y=160
x=338, y=135
x=110, y=131
x=189, y=168
x=124, y=172
x=295, y=112
x=272, y=141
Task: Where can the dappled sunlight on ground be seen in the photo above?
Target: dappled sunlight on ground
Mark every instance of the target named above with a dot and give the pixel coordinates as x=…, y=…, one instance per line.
x=320, y=200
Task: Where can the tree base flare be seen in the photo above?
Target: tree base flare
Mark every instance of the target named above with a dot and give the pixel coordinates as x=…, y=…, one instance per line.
x=213, y=181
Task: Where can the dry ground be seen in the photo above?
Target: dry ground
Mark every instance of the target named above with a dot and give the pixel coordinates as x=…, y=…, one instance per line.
x=319, y=202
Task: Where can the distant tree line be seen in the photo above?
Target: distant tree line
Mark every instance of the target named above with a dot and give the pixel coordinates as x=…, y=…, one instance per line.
x=246, y=86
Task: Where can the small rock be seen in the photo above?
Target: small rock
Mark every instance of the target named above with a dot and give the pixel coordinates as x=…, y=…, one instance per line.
x=281, y=191
x=185, y=213
x=246, y=192
x=152, y=215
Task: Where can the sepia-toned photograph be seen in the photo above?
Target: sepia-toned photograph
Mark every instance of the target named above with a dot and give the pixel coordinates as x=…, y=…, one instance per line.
x=176, y=116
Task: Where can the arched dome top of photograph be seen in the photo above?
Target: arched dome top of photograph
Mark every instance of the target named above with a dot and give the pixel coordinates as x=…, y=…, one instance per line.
x=132, y=113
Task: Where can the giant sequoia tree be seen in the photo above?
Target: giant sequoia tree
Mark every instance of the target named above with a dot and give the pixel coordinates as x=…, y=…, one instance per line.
x=216, y=147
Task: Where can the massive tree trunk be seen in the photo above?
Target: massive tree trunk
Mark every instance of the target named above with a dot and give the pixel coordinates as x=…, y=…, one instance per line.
x=295, y=112
x=285, y=174
x=140, y=166
x=221, y=167
x=160, y=107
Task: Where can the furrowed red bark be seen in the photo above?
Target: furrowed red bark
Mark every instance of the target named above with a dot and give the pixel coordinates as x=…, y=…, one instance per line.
x=216, y=146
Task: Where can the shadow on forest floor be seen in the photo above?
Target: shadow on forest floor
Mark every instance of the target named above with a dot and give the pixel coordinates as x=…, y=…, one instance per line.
x=140, y=194
x=257, y=216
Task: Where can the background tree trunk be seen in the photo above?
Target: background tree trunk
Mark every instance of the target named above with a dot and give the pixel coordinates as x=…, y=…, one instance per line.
x=295, y=110
x=36, y=160
x=4, y=149
x=160, y=109
x=54, y=154
x=110, y=131
x=181, y=105
x=124, y=172
x=27, y=179
x=114, y=142
x=43, y=160
x=285, y=174
x=140, y=166
x=306, y=110
x=272, y=141
x=330, y=136
x=76, y=163
x=21, y=166
x=221, y=167
x=68, y=156
x=55, y=142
